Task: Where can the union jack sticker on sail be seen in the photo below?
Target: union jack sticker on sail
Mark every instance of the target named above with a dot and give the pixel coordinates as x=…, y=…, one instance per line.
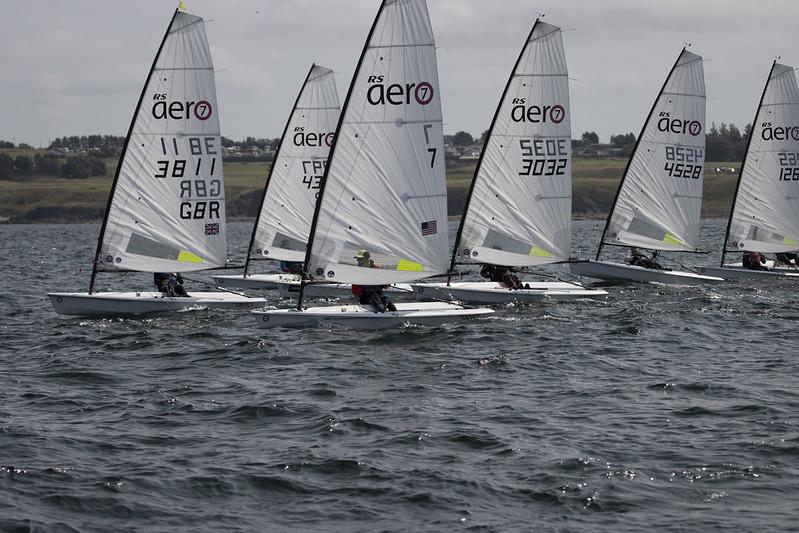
x=429, y=228
x=212, y=229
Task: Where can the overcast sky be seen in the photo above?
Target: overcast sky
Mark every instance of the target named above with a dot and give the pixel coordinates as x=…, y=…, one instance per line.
x=77, y=67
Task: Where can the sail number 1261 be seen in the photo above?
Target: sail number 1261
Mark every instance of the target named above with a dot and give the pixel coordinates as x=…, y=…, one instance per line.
x=789, y=166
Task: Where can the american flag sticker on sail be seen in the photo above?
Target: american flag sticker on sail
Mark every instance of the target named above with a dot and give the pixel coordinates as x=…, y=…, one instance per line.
x=212, y=229
x=429, y=228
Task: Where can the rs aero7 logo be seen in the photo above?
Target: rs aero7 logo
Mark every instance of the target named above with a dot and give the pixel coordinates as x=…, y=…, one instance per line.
x=313, y=139
x=779, y=133
x=679, y=126
x=163, y=109
x=520, y=112
x=396, y=93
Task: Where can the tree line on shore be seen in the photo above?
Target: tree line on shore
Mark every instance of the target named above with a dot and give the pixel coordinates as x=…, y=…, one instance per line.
x=76, y=157
x=75, y=167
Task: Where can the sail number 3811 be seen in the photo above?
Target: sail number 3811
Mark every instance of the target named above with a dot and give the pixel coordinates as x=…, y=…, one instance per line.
x=684, y=162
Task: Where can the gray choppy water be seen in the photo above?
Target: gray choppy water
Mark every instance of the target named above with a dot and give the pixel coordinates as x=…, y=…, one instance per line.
x=658, y=408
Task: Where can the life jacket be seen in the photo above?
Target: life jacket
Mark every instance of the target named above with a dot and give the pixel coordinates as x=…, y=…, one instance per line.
x=357, y=290
x=754, y=261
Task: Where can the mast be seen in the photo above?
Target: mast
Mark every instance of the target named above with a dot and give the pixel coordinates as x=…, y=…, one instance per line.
x=743, y=164
x=124, y=150
x=482, y=153
x=272, y=168
x=632, y=155
x=332, y=152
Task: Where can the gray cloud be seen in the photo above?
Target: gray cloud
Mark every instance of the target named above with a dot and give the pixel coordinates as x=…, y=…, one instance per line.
x=78, y=67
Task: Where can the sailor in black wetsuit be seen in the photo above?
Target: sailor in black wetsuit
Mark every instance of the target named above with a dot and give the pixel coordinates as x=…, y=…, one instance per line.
x=170, y=283
x=502, y=275
x=638, y=258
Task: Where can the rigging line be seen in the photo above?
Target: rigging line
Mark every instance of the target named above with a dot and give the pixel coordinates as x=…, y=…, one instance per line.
x=453, y=302
x=552, y=276
x=195, y=280
x=372, y=47
x=689, y=269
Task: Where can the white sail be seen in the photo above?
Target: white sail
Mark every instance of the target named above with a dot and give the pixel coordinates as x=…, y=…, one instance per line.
x=660, y=197
x=284, y=220
x=167, y=211
x=766, y=213
x=519, y=211
x=385, y=187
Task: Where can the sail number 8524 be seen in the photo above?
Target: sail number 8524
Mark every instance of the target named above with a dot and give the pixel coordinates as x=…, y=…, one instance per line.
x=684, y=162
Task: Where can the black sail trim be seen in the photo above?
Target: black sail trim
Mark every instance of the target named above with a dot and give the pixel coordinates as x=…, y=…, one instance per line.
x=124, y=152
x=272, y=168
x=483, y=151
x=743, y=165
x=632, y=155
x=332, y=152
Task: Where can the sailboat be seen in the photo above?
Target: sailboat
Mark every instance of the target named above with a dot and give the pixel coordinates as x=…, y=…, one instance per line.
x=518, y=210
x=287, y=204
x=659, y=200
x=166, y=208
x=384, y=191
x=765, y=211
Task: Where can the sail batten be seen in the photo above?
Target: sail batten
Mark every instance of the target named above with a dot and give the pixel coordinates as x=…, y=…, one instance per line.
x=518, y=211
x=384, y=190
x=659, y=200
x=765, y=214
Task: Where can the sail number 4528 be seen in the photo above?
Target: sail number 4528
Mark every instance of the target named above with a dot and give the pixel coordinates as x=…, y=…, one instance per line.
x=684, y=162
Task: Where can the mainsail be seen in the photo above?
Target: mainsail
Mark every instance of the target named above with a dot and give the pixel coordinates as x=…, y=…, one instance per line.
x=384, y=190
x=167, y=206
x=292, y=187
x=660, y=196
x=518, y=212
x=765, y=216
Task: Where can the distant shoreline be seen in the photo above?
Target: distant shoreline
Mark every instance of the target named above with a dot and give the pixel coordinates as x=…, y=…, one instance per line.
x=44, y=199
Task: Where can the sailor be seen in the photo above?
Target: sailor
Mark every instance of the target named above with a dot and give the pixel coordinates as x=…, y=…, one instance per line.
x=790, y=259
x=291, y=267
x=754, y=261
x=371, y=294
x=503, y=275
x=638, y=258
x=170, y=283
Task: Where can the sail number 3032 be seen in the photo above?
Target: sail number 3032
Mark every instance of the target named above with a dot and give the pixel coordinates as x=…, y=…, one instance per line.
x=684, y=162
x=543, y=157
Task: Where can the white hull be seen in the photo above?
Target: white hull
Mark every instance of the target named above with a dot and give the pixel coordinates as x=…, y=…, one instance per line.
x=739, y=272
x=338, y=290
x=622, y=272
x=490, y=292
x=364, y=317
x=254, y=281
x=136, y=303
